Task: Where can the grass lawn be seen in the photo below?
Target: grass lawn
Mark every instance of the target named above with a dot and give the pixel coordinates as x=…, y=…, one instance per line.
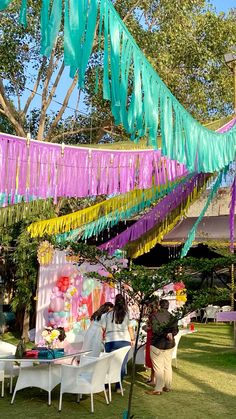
x=204, y=386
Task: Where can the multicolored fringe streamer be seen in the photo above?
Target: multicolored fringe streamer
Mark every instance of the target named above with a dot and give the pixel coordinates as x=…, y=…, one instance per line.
x=15, y=213
x=45, y=170
x=232, y=214
x=155, y=235
x=156, y=215
x=109, y=207
x=192, y=233
x=140, y=100
x=144, y=200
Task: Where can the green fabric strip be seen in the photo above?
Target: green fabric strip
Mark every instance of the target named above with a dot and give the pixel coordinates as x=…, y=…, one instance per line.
x=192, y=233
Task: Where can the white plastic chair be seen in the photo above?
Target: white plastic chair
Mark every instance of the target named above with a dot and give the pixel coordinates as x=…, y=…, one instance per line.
x=210, y=312
x=140, y=356
x=226, y=308
x=114, y=372
x=87, y=378
x=2, y=377
x=174, y=353
x=10, y=370
x=45, y=377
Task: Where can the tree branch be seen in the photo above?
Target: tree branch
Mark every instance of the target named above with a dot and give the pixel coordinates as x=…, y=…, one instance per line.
x=10, y=112
x=131, y=10
x=64, y=105
x=35, y=88
x=55, y=84
x=77, y=131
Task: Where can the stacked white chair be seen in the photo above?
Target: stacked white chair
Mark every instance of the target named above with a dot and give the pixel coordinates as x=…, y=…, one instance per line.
x=2, y=376
x=226, y=308
x=10, y=370
x=87, y=378
x=210, y=312
x=175, y=350
x=114, y=372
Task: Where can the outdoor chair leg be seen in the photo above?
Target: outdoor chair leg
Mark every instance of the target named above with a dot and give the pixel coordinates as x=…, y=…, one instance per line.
x=2, y=388
x=92, y=406
x=60, y=402
x=78, y=398
x=121, y=388
x=11, y=384
x=109, y=388
x=14, y=395
x=105, y=394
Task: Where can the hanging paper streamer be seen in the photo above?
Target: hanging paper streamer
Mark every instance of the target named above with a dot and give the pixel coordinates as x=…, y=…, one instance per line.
x=156, y=234
x=41, y=170
x=4, y=4
x=192, y=234
x=156, y=215
x=14, y=213
x=231, y=214
x=144, y=199
x=140, y=101
x=23, y=10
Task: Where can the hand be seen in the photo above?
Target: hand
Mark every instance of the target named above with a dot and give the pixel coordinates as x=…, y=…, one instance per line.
x=169, y=336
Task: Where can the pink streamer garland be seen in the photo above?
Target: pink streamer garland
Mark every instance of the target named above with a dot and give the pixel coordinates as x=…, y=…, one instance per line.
x=43, y=170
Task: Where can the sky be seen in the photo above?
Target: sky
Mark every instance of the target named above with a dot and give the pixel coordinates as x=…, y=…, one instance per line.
x=223, y=5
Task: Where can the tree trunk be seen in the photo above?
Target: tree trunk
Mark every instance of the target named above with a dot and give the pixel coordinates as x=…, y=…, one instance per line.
x=25, y=330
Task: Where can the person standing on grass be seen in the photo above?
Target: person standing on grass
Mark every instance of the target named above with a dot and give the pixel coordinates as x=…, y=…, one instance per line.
x=152, y=309
x=118, y=330
x=94, y=336
x=164, y=327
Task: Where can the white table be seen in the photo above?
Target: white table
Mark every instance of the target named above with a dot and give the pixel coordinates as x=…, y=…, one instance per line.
x=42, y=373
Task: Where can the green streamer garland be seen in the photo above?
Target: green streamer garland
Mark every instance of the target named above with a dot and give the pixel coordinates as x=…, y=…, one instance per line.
x=192, y=233
x=14, y=213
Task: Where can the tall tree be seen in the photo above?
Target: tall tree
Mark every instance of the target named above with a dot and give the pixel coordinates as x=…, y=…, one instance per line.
x=184, y=41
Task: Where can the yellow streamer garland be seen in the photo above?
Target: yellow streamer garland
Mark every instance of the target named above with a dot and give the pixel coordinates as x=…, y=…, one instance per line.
x=77, y=219
x=156, y=234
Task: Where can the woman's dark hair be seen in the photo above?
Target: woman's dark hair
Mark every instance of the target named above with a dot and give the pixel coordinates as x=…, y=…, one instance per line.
x=62, y=335
x=120, y=309
x=102, y=310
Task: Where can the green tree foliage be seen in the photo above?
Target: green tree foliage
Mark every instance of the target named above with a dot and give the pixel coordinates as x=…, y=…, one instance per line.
x=184, y=41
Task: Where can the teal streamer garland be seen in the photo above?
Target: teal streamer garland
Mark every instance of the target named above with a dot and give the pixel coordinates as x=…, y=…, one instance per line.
x=23, y=10
x=140, y=101
x=192, y=233
x=4, y=4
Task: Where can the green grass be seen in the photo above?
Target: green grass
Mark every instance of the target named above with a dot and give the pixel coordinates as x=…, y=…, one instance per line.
x=204, y=386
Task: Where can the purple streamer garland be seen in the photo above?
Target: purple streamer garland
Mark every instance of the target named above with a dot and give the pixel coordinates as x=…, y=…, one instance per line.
x=156, y=215
x=43, y=170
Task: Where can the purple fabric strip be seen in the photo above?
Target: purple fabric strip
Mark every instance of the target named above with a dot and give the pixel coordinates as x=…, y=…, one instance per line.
x=231, y=214
x=45, y=170
x=227, y=126
x=156, y=215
